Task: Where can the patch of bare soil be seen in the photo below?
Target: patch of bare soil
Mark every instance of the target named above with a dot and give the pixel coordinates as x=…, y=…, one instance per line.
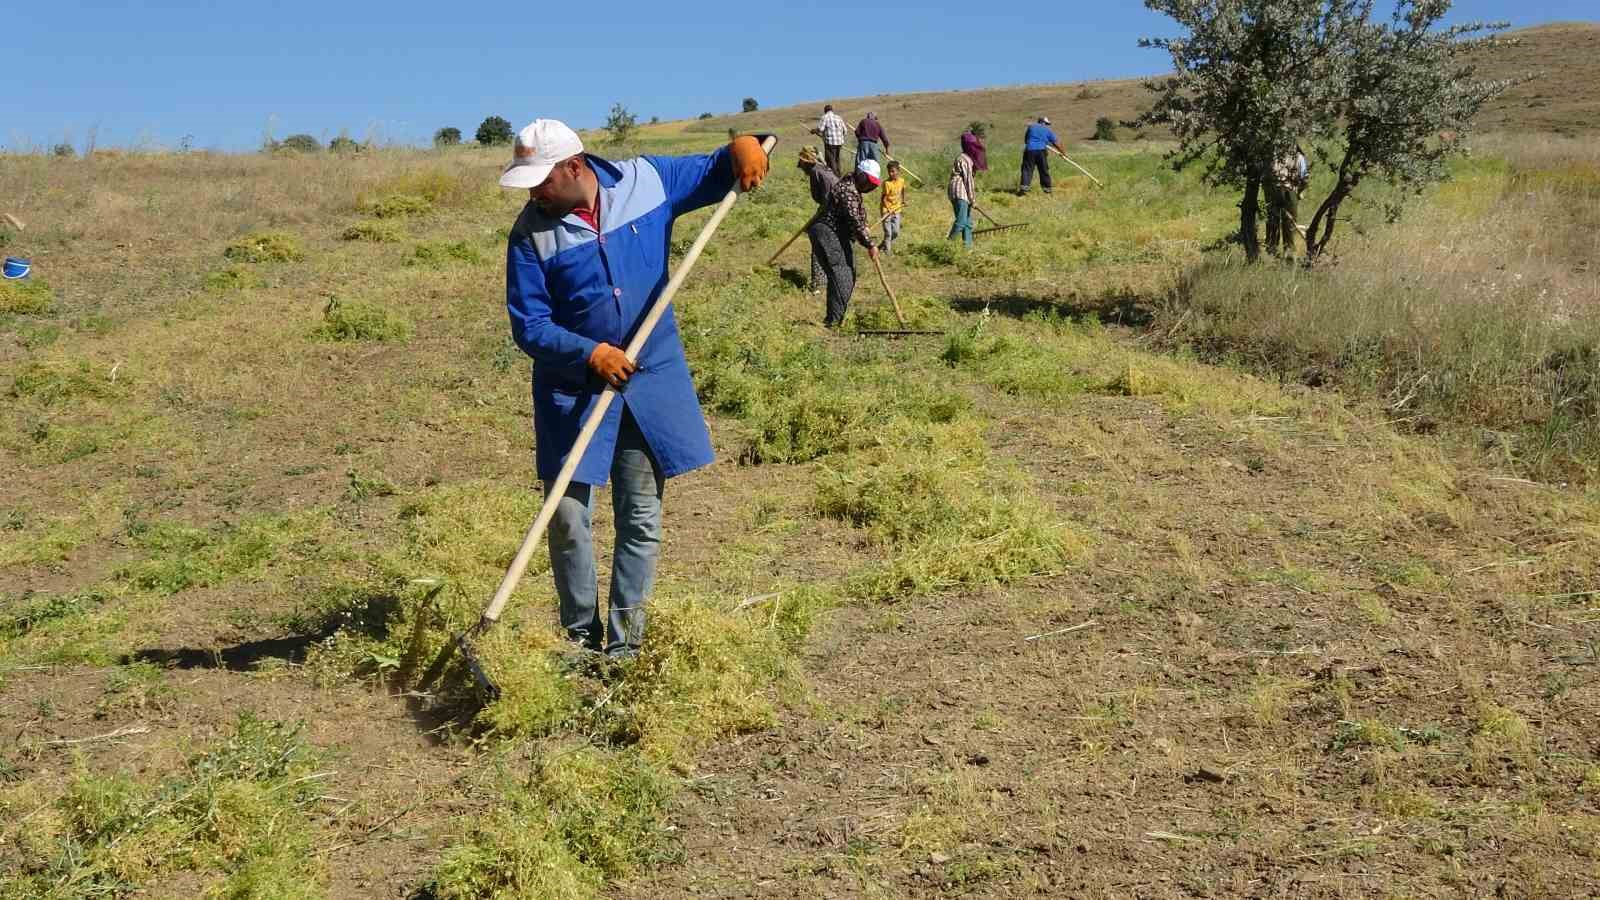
x=1266, y=703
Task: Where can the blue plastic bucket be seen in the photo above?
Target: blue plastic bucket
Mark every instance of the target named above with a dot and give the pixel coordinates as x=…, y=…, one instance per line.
x=17, y=267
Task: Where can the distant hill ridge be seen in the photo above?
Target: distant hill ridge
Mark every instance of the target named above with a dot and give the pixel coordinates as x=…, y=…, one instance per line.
x=1564, y=99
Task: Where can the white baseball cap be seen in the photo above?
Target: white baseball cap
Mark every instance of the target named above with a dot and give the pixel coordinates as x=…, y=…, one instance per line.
x=538, y=149
x=869, y=168
x=1044, y=120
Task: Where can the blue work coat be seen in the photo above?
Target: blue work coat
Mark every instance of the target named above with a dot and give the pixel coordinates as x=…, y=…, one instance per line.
x=569, y=288
x=1038, y=136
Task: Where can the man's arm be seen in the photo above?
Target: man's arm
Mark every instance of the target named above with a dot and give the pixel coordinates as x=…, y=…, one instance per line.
x=528, y=303
x=692, y=182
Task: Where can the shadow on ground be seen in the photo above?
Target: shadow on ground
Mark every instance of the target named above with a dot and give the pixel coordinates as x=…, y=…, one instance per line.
x=1113, y=308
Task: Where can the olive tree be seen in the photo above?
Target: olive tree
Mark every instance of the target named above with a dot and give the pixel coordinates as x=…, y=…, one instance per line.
x=1370, y=98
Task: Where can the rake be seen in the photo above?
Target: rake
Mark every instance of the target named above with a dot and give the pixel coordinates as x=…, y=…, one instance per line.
x=1078, y=167
x=464, y=642
x=997, y=225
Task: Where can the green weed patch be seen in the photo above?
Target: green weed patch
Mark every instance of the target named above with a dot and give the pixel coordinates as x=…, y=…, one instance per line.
x=265, y=247
x=438, y=254
x=237, y=814
x=377, y=232
x=360, y=320
x=232, y=279
x=26, y=297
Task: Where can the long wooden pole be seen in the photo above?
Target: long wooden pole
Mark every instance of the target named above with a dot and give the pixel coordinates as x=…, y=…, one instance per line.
x=1076, y=166
x=889, y=290
x=796, y=237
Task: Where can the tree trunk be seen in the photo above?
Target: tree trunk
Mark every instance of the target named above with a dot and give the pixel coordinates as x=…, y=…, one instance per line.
x=1323, y=222
x=1249, y=210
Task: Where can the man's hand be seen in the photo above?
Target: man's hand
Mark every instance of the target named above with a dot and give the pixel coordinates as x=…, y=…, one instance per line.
x=872, y=251
x=749, y=161
x=611, y=364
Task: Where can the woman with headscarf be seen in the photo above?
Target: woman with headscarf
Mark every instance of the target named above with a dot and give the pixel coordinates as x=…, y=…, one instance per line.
x=972, y=145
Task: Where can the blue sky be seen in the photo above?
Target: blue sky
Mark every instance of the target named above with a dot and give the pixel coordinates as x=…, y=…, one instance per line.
x=224, y=74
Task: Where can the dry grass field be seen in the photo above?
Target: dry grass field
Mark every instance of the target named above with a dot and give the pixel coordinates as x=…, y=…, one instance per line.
x=1151, y=575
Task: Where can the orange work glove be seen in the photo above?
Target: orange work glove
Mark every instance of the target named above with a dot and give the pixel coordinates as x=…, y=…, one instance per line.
x=611, y=364
x=749, y=161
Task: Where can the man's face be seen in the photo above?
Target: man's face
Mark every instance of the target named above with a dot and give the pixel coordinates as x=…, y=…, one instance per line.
x=562, y=191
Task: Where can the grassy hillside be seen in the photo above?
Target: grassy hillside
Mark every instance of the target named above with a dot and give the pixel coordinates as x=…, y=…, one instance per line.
x=1151, y=574
x=1564, y=99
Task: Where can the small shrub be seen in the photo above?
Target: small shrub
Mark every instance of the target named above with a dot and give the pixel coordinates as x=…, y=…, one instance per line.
x=344, y=144
x=749, y=105
x=620, y=124
x=438, y=254
x=357, y=320
x=706, y=115
x=301, y=143
x=231, y=279
x=1105, y=129
x=25, y=297
x=378, y=232
x=447, y=137
x=265, y=246
x=63, y=151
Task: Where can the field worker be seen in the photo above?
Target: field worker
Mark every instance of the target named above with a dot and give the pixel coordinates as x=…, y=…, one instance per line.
x=872, y=142
x=1290, y=174
x=962, y=192
x=821, y=179
x=843, y=221
x=585, y=260
x=972, y=145
x=831, y=129
x=891, y=203
x=1036, y=144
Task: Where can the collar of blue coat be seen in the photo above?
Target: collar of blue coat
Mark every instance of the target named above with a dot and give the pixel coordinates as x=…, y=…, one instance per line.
x=629, y=190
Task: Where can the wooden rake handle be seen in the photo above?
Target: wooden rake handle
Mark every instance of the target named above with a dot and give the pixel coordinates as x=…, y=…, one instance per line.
x=796, y=237
x=985, y=214
x=1078, y=167
x=591, y=424
x=888, y=290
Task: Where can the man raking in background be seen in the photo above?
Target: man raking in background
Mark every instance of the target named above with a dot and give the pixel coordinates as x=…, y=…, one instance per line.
x=584, y=261
x=1036, y=144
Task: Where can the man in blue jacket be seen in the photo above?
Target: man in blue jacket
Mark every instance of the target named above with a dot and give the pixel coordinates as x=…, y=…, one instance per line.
x=1036, y=144
x=585, y=260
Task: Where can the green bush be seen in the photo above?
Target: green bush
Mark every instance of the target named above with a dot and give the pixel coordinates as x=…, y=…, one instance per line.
x=358, y=320
x=344, y=144
x=265, y=246
x=1105, y=129
x=447, y=137
x=494, y=131
x=300, y=143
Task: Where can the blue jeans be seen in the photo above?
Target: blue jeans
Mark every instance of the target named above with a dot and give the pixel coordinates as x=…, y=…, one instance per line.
x=869, y=150
x=963, y=222
x=636, y=486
